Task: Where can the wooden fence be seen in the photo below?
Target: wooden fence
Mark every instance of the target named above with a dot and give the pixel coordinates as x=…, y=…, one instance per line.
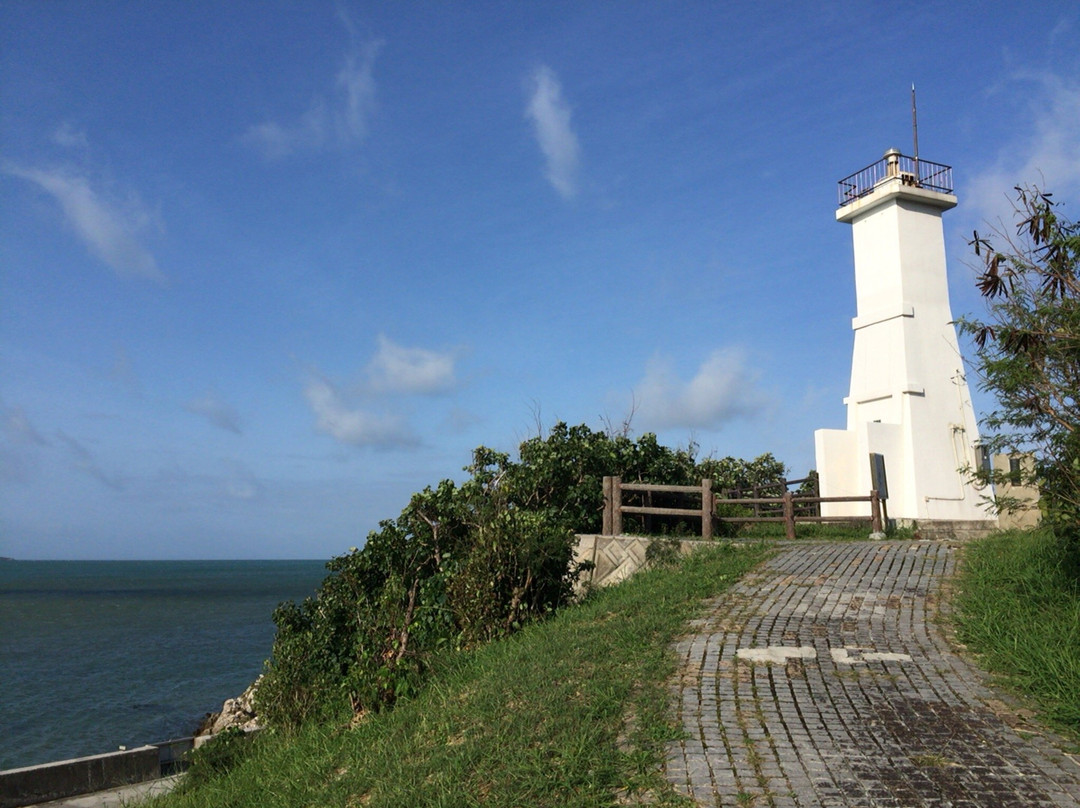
x=765, y=503
x=614, y=508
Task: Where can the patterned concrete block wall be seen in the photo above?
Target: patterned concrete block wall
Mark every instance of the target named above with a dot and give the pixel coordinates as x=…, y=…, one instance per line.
x=616, y=557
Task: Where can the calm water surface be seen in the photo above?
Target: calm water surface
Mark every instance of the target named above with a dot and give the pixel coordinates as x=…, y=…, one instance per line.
x=98, y=654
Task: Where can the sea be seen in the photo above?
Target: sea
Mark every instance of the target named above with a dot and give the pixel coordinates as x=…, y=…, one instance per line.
x=95, y=655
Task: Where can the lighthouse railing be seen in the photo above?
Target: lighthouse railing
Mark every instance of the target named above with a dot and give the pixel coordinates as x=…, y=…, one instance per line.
x=912, y=171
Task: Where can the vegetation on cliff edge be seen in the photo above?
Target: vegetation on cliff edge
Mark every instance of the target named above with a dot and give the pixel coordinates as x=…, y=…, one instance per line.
x=571, y=711
x=463, y=564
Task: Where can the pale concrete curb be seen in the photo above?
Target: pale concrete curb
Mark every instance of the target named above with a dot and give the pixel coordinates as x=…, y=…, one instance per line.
x=118, y=797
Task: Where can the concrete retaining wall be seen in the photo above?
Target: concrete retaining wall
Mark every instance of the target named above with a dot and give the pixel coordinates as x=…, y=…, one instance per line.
x=70, y=778
x=616, y=557
x=67, y=778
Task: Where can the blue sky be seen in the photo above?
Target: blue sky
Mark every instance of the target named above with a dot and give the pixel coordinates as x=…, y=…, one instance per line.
x=266, y=268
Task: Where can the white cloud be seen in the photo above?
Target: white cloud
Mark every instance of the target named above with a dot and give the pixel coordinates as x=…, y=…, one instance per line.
x=1048, y=154
x=721, y=390
x=274, y=141
x=211, y=407
x=397, y=369
x=354, y=426
x=109, y=227
x=356, y=84
x=342, y=120
x=550, y=115
x=70, y=138
x=356, y=417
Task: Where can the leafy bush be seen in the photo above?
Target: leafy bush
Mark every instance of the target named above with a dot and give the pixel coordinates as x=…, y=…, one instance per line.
x=461, y=565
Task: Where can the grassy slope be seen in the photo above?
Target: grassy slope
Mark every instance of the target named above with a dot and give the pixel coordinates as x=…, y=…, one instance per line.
x=1018, y=608
x=539, y=719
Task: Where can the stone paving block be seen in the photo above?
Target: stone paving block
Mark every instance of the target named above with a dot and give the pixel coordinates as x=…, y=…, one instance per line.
x=876, y=711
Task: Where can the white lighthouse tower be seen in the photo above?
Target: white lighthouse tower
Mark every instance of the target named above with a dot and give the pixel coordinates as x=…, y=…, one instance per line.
x=909, y=403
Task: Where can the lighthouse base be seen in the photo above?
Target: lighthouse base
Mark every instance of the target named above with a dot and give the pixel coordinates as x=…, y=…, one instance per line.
x=923, y=491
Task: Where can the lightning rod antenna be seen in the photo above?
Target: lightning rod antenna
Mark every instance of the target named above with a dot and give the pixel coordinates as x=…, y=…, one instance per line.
x=915, y=132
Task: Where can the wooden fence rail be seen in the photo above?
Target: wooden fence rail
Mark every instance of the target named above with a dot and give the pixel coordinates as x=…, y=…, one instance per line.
x=614, y=488
x=756, y=495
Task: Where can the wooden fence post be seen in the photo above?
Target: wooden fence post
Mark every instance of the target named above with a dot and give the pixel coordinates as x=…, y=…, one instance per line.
x=606, y=529
x=616, y=506
x=789, y=515
x=875, y=512
x=706, y=509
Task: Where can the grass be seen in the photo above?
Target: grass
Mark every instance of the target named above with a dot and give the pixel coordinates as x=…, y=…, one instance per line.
x=772, y=531
x=811, y=531
x=1018, y=608
x=569, y=712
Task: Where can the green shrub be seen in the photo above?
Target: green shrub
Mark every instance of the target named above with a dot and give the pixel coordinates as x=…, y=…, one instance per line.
x=462, y=565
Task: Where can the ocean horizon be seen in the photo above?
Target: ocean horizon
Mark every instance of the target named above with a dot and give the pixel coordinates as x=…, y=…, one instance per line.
x=95, y=655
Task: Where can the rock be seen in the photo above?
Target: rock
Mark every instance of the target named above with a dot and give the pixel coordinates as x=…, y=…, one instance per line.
x=238, y=712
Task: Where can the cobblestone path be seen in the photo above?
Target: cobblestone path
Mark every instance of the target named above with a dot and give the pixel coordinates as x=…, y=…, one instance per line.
x=822, y=680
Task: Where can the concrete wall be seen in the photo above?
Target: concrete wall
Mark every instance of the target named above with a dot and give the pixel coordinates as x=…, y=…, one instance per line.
x=1028, y=514
x=70, y=778
x=616, y=557
x=67, y=778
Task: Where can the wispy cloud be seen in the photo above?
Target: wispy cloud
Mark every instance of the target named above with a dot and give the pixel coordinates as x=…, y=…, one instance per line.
x=721, y=390
x=550, y=115
x=397, y=369
x=369, y=412
x=109, y=227
x=338, y=119
x=70, y=138
x=85, y=462
x=352, y=424
x=1048, y=154
x=18, y=440
x=356, y=87
x=16, y=427
x=215, y=410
